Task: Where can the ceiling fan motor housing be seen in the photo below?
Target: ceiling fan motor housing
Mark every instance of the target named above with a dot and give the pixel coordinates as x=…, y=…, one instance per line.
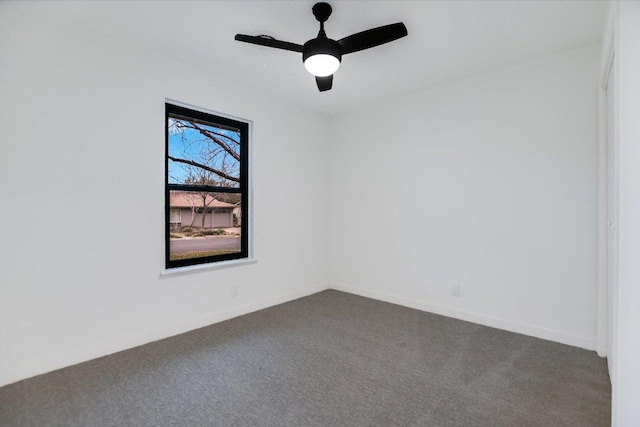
x=320, y=46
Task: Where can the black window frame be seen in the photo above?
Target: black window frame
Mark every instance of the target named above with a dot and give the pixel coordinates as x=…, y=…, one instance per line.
x=172, y=110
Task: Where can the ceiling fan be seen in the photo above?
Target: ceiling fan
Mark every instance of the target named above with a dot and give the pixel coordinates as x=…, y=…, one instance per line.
x=322, y=55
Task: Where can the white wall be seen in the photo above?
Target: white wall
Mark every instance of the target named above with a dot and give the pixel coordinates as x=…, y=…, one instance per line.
x=82, y=128
x=626, y=384
x=489, y=183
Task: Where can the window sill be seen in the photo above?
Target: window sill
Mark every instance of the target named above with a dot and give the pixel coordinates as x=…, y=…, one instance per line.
x=204, y=267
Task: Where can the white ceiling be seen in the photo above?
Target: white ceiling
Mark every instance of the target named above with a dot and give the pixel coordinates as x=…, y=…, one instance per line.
x=447, y=40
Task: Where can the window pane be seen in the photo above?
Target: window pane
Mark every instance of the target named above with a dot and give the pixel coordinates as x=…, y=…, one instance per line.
x=175, y=217
x=210, y=224
x=203, y=153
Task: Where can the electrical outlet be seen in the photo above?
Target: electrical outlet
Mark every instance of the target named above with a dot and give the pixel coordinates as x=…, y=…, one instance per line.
x=234, y=290
x=455, y=290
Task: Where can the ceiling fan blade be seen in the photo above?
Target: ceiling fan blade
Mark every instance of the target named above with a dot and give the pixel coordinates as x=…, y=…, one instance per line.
x=324, y=83
x=373, y=37
x=269, y=42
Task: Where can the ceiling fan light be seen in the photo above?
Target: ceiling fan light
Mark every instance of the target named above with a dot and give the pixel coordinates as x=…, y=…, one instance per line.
x=322, y=64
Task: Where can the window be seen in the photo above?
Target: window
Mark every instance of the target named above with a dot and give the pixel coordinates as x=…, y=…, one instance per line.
x=206, y=181
x=175, y=217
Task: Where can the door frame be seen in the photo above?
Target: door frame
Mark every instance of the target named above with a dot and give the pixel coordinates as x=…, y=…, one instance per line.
x=607, y=65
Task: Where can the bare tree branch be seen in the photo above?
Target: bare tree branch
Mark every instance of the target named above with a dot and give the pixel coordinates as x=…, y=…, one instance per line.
x=207, y=168
x=185, y=123
x=214, y=137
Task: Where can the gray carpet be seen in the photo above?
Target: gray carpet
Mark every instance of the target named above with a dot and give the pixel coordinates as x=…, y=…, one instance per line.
x=331, y=359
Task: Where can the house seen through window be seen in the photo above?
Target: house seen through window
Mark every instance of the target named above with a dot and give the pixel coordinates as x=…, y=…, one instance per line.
x=206, y=187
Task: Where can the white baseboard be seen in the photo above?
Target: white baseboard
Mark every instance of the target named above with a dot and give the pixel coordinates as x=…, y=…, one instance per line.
x=31, y=368
x=494, y=322
x=17, y=372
